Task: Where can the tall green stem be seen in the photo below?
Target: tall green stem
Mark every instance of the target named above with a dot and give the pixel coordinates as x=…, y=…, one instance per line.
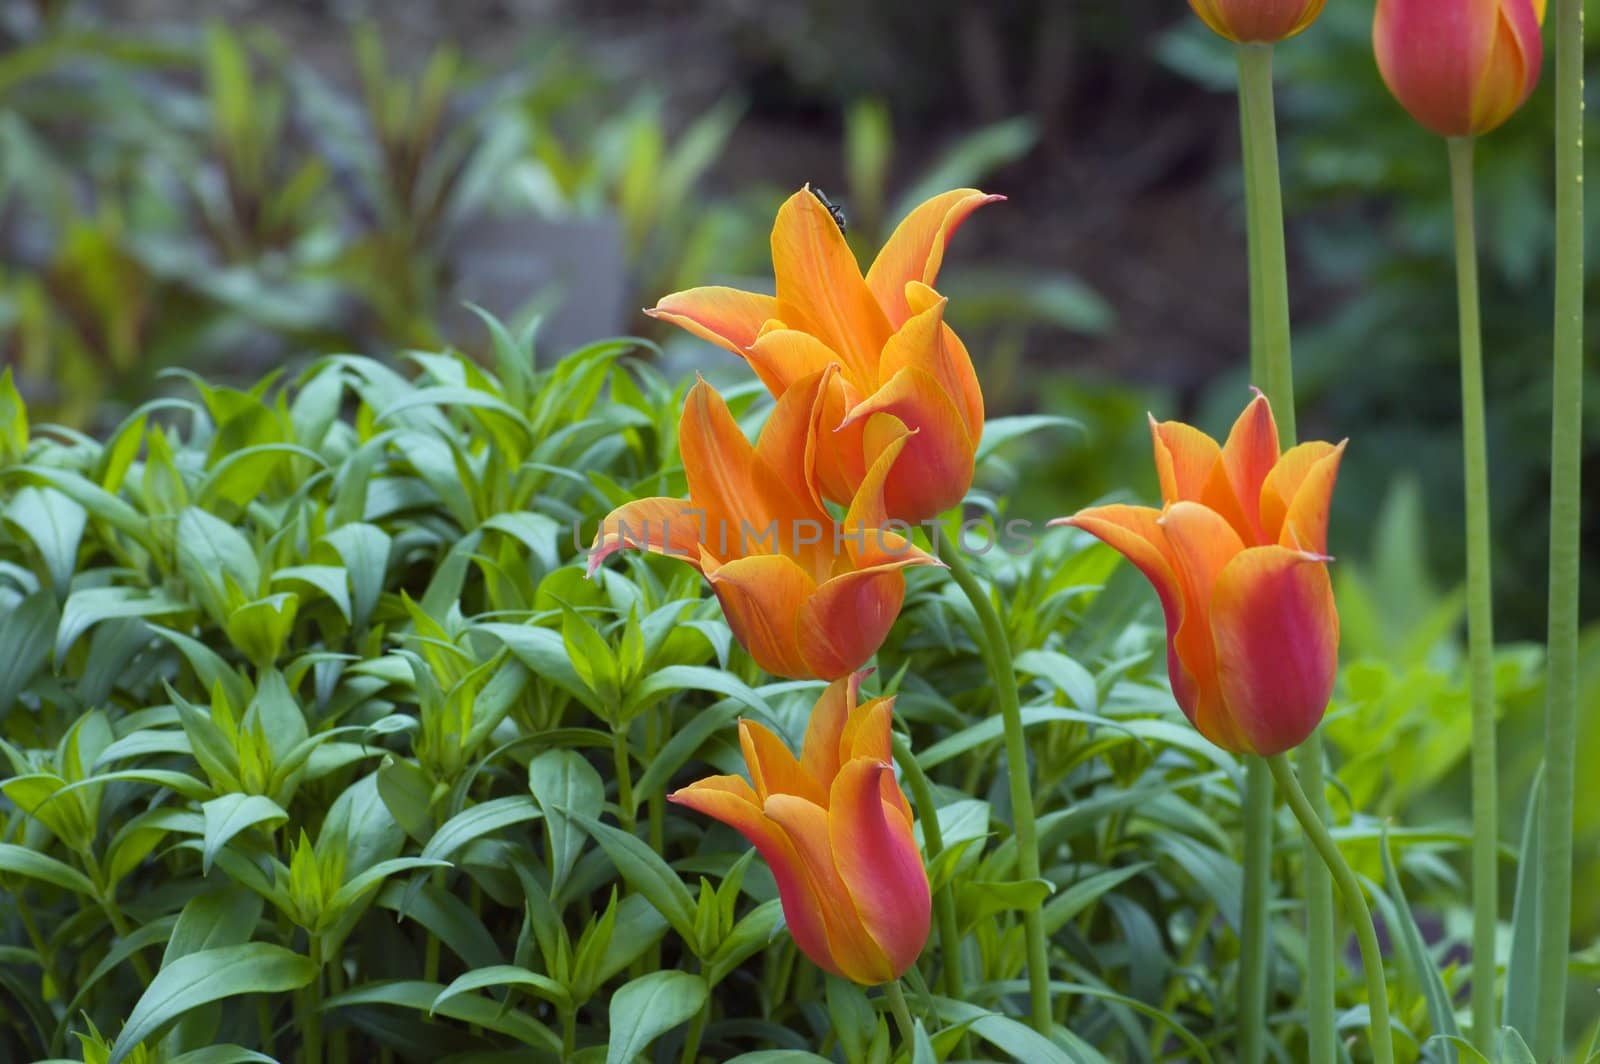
x=1273, y=368
x=1256, y=936
x=311, y=1009
x=1480, y=612
x=1354, y=900
x=996, y=649
x=944, y=906
x=902, y=1015
x=1566, y=468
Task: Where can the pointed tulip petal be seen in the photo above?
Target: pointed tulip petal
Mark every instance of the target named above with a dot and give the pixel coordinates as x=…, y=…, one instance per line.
x=820, y=287
x=1202, y=544
x=1431, y=54
x=858, y=956
x=1305, y=523
x=724, y=316
x=773, y=767
x=730, y=800
x=1185, y=458
x=787, y=446
x=1277, y=640
x=915, y=250
x=664, y=526
x=819, y=755
x=1283, y=483
x=847, y=619
x=925, y=342
x=782, y=357
x=1135, y=533
x=878, y=860
x=720, y=466
x=1248, y=457
x=762, y=597
x=935, y=469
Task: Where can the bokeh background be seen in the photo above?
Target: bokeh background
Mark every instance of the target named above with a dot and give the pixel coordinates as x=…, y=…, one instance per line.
x=238, y=187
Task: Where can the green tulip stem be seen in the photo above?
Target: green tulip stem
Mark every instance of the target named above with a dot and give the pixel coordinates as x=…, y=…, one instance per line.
x=944, y=904
x=1480, y=612
x=1566, y=498
x=996, y=649
x=1272, y=368
x=1355, y=903
x=1256, y=934
x=902, y=1015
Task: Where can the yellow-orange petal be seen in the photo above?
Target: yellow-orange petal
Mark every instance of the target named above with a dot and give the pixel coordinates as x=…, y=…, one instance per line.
x=819, y=754
x=1284, y=481
x=820, y=287
x=935, y=470
x=855, y=952
x=915, y=250
x=1277, y=639
x=773, y=767
x=762, y=597
x=878, y=861
x=731, y=800
x=781, y=357
x=663, y=526
x=925, y=342
x=1135, y=533
x=869, y=734
x=1185, y=459
x=1202, y=543
x=1305, y=522
x=844, y=622
x=1257, y=21
x=720, y=466
x=787, y=447
x=727, y=317
x=1248, y=457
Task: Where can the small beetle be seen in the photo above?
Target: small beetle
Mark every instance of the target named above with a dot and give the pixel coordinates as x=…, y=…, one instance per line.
x=833, y=208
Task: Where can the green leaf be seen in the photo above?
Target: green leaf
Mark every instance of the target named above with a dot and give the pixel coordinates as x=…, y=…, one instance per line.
x=21, y=861
x=672, y=678
x=351, y=892
x=997, y=432
x=13, y=421
x=420, y=996
x=647, y=1007
x=210, y=975
x=1441, y=1014
x=561, y=780
x=89, y=606
x=644, y=870
x=1511, y=1049
x=1519, y=1010
x=211, y=553
x=364, y=549
x=26, y=632
x=506, y=975
x=478, y=821
x=230, y=814
x=332, y=580
x=54, y=524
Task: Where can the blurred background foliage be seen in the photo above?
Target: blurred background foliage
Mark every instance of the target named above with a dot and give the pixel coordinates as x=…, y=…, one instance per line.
x=292, y=180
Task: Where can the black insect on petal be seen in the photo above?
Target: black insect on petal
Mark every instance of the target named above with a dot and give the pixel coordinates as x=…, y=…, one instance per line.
x=833, y=208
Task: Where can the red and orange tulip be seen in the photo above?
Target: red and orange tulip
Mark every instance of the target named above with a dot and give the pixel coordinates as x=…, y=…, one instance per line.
x=1237, y=556
x=901, y=368
x=808, y=596
x=1257, y=21
x=835, y=829
x=1461, y=67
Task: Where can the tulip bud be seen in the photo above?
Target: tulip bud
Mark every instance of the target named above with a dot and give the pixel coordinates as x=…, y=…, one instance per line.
x=835, y=829
x=1460, y=68
x=1257, y=21
x=1236, y=556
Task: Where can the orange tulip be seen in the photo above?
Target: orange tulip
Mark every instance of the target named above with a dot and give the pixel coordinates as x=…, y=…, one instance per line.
x=901, y=368
x=808, y=596
x=1257, y=21
x=1461, y=67
x=835, y=829
x=1236, y=555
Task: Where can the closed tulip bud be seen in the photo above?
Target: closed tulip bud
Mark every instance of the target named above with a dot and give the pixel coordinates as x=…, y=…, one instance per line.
x=835, y=829
x=809, y=596
x=900, y=367
x=1257, y=21
x=1461, y=67
x=1236, y=555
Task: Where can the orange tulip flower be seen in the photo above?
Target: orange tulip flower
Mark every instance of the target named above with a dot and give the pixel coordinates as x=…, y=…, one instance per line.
x=808, y=596
x=1461, y=67
x=1237, y=556
x=835, y=829
x=900, y=366
x=1257, y=21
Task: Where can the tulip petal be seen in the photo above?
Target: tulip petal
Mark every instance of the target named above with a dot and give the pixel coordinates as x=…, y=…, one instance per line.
x=783, y=356
x=915, y=250
x=852, y=948
x=1202, y=543
x=1432, y=53
x=1512, y=71
x=925, y=342
x=820, y=754
x=663, y=526
x=878, y=860
x=731, y=800
x=935, y=469
x=724, y=316
x=762, y=597
x=820, y=287
x=1281, y=485
x=1277, y=638
x=847, y=619
x=738, y=499
x=787, y=446
x=869, y=734
x=773, y=767
x=1304, y=521
x=1248, y=457
x=1135, y=533
x=1185, y=458
x=1257, y=21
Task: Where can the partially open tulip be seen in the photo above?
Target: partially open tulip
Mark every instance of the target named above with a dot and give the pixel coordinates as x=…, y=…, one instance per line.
x=1461, y=67
x=901, y=368
x=1236, y=555
x=1257, y=21
x=835, y=829
x=808, y=596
